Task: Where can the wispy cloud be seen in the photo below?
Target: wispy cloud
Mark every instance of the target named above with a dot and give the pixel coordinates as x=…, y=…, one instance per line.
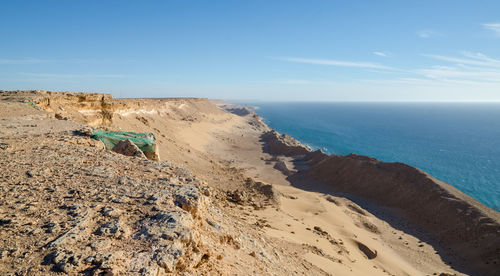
x=457, y=73
x=480, y=56
x=6, y=61
x=477, y=59
x=428, y=33
x=23, y=61
x=331, y=62
x=72, y=76
x=299, y=82
x=469, y=68
x=495, y=27
x=381, y=54
x=424, y=82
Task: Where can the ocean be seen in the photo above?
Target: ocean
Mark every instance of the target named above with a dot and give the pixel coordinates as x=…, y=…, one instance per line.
x=458, y=143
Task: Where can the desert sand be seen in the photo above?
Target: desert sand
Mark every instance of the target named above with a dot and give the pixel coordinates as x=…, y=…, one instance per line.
x=228, y=197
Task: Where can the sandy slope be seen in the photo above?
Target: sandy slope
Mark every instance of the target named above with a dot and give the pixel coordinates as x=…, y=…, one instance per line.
x=398, y=253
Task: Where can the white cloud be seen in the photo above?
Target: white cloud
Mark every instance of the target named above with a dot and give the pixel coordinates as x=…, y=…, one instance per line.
x=331, y=62
x=381, y=54
x=428, y=33
x=495, y=27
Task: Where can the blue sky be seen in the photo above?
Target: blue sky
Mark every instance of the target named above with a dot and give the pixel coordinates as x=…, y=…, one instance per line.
x=255, y=50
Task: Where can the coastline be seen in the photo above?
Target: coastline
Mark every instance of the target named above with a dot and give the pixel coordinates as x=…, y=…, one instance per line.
x=265, y=202
x=454, y=143
x=440, y=213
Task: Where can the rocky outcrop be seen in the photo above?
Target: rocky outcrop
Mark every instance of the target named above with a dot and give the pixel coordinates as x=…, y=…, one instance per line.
x=94, y=109
x=90, y=108
x=99, y=109
x=282, y=144
x=89, y=211
x=240, y=111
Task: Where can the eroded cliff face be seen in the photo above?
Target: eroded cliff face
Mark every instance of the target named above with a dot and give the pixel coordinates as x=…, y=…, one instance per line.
x=99, y=109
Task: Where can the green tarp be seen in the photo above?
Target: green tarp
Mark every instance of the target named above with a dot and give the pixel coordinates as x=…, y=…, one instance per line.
x=145, y=141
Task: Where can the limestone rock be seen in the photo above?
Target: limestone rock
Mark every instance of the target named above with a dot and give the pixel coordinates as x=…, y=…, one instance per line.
x=168, y=258
x=112, y=228
x=189, y=198
x=167, y=225
x=128, y=148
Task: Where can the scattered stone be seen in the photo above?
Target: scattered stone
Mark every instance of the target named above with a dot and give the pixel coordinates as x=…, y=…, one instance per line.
x=332, y=200
x=112, y=228
x=5, y=222
x=370, y=254
x=371, y=227
x=73, y=210
x=237, y=196
x=4, y=146
x=87, y=131
x=356, y=209
x=60, y=116
x=213, y=224
x=320, y=231
x=109, y=211
x=51, y=227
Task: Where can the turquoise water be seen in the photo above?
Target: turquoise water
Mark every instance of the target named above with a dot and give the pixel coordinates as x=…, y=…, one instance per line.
x=456, y=143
